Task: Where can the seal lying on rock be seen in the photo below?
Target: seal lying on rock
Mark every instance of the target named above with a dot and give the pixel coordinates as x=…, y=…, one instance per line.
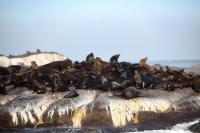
x=71, y=94
x=130, y=92
x=170, y=86
x=149, y=81
x=39, y=87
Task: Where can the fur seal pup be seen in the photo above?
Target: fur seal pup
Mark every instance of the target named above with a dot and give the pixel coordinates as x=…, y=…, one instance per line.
x=130, y=92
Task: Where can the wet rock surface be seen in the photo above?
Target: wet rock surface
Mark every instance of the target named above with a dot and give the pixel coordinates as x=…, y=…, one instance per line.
x=180, y=124
x=195, y=128
x=25, y=110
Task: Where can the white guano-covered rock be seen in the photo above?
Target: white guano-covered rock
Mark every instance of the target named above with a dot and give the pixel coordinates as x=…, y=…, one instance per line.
x=60, y=112
x=94, y=108
x=39, y=58
x=116, y=111
x=26, y=110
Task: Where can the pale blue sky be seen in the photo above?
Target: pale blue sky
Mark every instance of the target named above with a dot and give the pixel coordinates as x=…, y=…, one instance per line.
x=159, y=29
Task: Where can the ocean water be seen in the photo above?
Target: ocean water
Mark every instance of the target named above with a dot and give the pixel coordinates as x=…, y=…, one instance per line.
x=176, y=63
x=176, y=128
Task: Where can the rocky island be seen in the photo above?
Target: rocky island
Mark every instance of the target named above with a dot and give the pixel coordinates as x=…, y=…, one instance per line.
x=96, y=93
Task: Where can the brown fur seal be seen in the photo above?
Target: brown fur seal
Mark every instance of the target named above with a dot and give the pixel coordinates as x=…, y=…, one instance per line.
x=137, y=79
x=114, y=59
x=71, y=94
x=90, y=58
x=131, y=92
x=58, y=65
x=97, y=66
x=39, y=87
x=143, y=64
x=34, y=65
x=4, y=71
x=196, y=84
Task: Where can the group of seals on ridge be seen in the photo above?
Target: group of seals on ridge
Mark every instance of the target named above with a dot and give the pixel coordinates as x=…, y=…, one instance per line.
x=94, y=73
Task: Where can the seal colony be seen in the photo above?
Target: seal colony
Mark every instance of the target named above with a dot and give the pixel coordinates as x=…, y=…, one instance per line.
x=94, y=73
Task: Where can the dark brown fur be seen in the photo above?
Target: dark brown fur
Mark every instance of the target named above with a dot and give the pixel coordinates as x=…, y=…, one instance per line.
x=196, y=84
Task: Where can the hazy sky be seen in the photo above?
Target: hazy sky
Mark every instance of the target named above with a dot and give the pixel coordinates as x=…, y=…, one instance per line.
x=159, y=29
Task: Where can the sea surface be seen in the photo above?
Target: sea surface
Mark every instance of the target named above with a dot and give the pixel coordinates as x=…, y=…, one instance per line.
x=176, y=63
x=177, y=128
